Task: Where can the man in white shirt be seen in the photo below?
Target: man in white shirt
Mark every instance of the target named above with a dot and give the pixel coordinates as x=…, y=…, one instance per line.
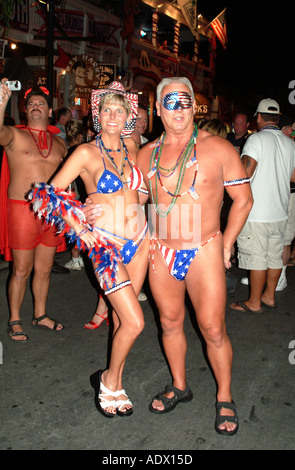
x=269, y=159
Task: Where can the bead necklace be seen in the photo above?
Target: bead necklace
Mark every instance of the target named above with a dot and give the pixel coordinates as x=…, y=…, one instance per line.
x=182, y=155
x=184, y=165
x=270, y=126
x=124, y=159
x=116, y=150
x=110, y=150
x=157, y=155
x=42, y=141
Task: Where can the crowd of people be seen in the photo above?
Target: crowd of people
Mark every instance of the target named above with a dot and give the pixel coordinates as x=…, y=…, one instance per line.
x=94, y=188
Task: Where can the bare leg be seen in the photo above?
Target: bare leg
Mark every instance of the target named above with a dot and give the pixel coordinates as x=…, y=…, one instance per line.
x=169, y=295
x=257, y=284
x=206, y=273
x=209, y=303
x=75, y=253
x=131, y=324
x=128, y=319
x=262, y=287
x=100, y=315
x=43, y=261
x=272, y=278
x=22, y=267
x=209, y=300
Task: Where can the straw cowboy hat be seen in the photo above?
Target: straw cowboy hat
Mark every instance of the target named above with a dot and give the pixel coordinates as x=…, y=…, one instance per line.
x=118, y=88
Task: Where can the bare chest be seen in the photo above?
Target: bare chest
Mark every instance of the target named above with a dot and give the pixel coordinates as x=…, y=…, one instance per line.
x=175, y=173
x=28, y=161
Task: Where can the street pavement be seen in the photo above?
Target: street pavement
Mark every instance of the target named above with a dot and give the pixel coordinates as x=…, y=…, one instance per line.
x=47, y=402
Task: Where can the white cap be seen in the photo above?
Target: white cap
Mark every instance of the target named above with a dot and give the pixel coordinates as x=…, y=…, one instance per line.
x=268, y=106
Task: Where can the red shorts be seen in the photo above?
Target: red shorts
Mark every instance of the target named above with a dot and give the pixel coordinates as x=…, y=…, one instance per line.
x=25, y=230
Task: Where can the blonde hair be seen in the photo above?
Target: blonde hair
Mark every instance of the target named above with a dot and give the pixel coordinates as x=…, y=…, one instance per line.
x=115, y=98
x=214, y=126
x=73, y=129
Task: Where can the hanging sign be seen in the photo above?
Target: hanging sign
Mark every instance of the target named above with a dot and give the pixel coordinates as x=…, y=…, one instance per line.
x=89, y=74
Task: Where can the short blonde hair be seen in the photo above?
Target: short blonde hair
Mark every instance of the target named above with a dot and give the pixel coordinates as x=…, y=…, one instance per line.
x=115, y=98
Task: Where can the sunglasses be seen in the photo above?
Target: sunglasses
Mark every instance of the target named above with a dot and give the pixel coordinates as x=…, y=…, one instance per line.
x=177, y=100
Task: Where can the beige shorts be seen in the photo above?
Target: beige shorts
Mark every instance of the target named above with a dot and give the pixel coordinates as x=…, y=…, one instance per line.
x=290, y=229
x=260, y=245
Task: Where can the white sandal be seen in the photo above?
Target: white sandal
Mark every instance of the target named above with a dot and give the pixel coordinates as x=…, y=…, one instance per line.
x=103, y=392
x=121, y=403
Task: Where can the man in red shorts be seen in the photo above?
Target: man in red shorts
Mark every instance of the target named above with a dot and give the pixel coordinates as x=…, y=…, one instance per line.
x=33, y=154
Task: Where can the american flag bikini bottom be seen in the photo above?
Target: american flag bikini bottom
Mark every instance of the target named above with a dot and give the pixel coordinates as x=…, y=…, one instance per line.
x=128, y=251
x=178, y=261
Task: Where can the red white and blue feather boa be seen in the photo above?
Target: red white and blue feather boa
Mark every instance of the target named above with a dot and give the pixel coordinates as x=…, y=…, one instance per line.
x=52, y=204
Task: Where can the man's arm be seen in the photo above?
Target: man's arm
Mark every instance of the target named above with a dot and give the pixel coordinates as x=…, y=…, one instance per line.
x=241, y=196
x=238, y=214
x=6, y=132
x=250, y=165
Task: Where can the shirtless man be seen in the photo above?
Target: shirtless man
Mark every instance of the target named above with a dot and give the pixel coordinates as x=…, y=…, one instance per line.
x=185, y=172
x=33, y=155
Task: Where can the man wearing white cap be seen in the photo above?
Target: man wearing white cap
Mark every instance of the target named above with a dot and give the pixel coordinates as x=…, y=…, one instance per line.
x=269, y=159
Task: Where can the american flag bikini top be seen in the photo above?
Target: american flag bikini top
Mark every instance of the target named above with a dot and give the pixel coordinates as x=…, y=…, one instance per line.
x=109, y=182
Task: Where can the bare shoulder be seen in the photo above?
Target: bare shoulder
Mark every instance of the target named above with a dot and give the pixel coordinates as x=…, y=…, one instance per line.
x=61, y=144
x=145, y=152
x=216, y=145
x=87, y=150
x=131, y=145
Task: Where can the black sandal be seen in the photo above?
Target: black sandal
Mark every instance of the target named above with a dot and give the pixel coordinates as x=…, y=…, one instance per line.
x=221, y=419
x=170, y=403
x=36, y=321
x=12, y=334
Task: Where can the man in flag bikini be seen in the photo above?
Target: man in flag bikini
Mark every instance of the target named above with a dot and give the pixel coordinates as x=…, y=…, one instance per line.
x=185, y=171
x=33, y=154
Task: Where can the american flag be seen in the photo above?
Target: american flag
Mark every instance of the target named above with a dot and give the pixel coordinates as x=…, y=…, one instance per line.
x=219, y=27
x=178, y=261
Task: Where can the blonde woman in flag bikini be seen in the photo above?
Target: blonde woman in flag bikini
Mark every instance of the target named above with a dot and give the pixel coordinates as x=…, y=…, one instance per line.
x=185, y=171
x=118, y=240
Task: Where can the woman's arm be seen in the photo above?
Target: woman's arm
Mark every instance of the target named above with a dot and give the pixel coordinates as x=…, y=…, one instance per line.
x=77, y=162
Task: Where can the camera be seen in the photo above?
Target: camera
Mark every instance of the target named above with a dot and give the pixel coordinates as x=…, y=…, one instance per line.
x=14, y=85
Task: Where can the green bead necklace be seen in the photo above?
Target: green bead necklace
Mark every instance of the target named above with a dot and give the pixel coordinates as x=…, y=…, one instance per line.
x=183, y=161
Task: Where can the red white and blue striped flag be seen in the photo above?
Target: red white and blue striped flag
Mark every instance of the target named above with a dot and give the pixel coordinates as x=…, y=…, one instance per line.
x=219, y=27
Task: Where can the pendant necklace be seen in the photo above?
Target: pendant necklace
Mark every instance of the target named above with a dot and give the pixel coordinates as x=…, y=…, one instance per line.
x=42, y=141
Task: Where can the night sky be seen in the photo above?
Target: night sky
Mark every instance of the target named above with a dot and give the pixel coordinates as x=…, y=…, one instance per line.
x=259, y=59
